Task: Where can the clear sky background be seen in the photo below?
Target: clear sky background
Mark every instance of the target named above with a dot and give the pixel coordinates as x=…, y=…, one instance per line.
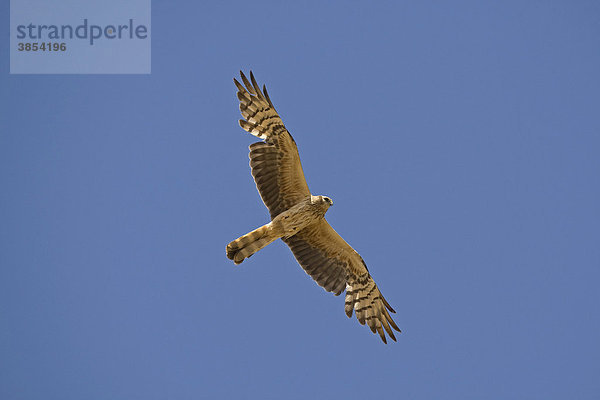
x=458, y=140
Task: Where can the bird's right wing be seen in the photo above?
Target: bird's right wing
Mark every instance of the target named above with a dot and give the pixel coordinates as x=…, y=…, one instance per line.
x=275, y=163
x=336, y=266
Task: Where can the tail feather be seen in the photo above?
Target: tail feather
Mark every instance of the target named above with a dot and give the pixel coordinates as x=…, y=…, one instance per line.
x=245, y=246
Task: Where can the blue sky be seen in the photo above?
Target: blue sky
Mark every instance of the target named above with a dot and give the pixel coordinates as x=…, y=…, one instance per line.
x=458, y=140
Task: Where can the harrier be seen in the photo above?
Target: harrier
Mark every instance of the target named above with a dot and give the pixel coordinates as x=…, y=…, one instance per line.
x=298, y=217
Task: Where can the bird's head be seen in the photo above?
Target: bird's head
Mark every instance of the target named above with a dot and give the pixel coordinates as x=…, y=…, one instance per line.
x=326, y=200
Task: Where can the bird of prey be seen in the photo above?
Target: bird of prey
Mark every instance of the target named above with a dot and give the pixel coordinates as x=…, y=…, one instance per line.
x=298, y=217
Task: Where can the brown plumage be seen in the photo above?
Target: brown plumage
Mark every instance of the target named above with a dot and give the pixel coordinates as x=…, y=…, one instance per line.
x=298, y=218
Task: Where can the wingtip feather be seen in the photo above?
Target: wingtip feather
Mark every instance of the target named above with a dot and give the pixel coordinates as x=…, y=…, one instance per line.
x=247, y=83
x=239, y=85
x=256, y=86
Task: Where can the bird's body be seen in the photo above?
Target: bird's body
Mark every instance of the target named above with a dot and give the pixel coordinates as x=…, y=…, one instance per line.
x=284, y=225
x=298, y=217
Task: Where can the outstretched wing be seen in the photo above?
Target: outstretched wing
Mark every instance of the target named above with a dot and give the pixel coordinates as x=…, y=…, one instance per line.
x=275, y=162
x=336, y=266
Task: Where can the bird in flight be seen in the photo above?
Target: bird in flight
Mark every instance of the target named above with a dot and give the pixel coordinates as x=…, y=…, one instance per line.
x=298, y=217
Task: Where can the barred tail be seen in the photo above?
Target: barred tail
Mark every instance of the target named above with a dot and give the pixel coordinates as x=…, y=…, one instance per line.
x=244, y=246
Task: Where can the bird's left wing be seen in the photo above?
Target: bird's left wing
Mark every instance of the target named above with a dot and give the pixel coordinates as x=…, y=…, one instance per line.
x=336, y=266
x=275, y=163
